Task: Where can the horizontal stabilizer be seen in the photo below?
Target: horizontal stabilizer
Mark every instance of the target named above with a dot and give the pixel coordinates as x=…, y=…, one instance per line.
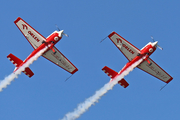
x=123, y=83
x=111, y=73
x=28, y=72
x=16, y=61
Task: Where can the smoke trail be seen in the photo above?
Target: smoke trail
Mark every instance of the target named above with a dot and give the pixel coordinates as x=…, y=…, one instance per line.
x=7, y=80
x=83, y=107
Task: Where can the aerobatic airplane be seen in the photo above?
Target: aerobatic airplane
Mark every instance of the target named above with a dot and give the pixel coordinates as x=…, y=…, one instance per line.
x=39, y=42
x=133, y=54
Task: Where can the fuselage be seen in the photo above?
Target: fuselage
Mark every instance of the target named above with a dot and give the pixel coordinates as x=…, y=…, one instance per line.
x=49, y=43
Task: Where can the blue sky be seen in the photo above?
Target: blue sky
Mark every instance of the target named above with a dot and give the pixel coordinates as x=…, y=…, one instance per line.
x=46, y=96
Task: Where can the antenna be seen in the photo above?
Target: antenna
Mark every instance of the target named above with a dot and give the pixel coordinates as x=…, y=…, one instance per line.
x=68, y=78
x=163, y=87
x=103, y=39
x=57, y=27
x=152, y=38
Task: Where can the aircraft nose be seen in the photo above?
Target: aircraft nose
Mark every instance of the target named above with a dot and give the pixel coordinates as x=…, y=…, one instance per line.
x=154, y=43
x=61, y=33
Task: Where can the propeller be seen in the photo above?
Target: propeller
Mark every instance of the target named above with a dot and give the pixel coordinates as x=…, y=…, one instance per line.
x=152, y=38
x=62, y=32
x=156, y=44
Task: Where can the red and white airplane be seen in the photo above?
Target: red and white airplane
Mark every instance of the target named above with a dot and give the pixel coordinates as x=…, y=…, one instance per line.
x=133, y=54
x=39, y=42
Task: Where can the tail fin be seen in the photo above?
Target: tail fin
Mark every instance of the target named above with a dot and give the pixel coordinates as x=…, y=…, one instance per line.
x=17, y=62
x=111, y=73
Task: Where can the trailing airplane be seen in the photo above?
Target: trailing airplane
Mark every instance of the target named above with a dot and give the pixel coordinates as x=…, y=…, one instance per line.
x=133, y=54
x=38, y=42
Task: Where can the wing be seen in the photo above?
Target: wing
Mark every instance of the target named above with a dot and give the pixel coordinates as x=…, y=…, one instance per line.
x=59, y=59
x=155, y=71
x=129, y=50
x=34, y=37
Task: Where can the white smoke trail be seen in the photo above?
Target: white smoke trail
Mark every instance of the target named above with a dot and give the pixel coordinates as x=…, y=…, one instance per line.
x=83, y=107
x=7, y=80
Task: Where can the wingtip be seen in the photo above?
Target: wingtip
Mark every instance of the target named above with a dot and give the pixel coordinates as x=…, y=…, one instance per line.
x=169, y=80
x=111, y=34
x=17, y=20
x=74, y=71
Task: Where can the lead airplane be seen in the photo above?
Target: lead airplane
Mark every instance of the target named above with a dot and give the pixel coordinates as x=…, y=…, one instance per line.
x=39, y=42
x=133, y=54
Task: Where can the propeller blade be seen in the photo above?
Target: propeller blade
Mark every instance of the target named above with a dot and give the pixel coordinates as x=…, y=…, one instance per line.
x=160, y=47
x=152, y=38
x=57, y=28
x=65, y=34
